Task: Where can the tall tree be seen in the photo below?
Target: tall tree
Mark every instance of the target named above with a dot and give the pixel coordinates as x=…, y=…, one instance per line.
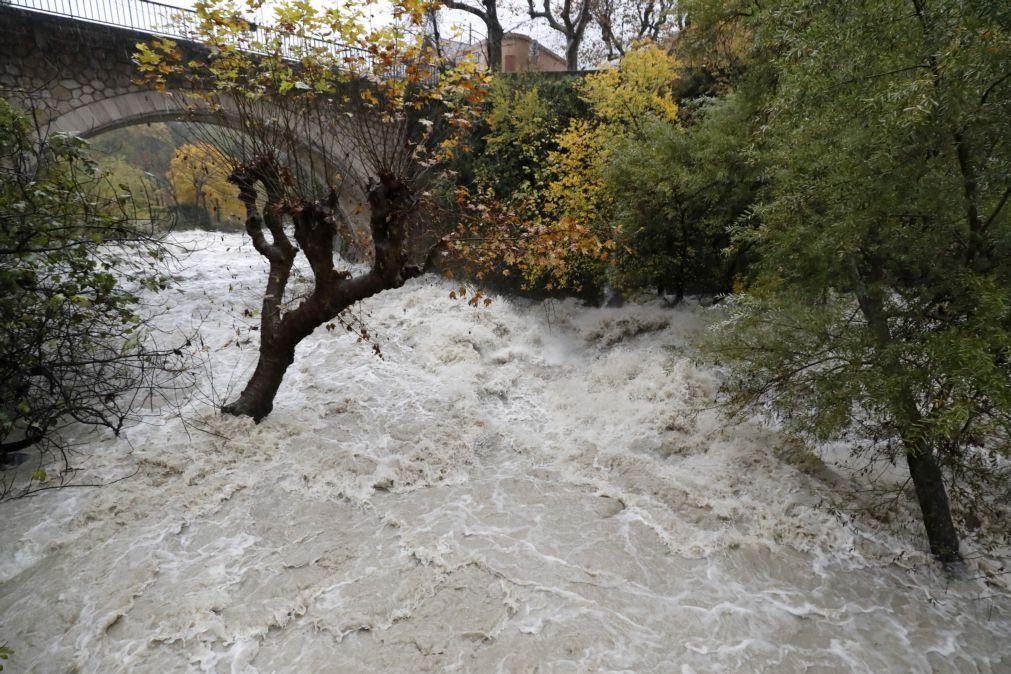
x=623, y=23
x=570, y=19
x=318, y=124
x=487, y=11
x=882, y=306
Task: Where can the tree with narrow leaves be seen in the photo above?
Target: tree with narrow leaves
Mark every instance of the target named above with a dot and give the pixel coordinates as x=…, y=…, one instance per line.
x=880, y=310
x=314, y=126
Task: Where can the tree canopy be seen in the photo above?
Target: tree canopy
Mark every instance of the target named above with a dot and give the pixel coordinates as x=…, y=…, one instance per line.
x=881, y=304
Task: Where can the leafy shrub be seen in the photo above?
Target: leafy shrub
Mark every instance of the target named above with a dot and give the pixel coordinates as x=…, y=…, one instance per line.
x=72, y=347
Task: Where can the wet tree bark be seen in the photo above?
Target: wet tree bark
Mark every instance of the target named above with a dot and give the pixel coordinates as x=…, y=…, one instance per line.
x=315, y=225
x=257, y=399
x=924, y=469
x=933, y=500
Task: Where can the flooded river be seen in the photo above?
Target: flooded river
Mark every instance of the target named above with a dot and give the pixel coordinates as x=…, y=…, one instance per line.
x=510, y=489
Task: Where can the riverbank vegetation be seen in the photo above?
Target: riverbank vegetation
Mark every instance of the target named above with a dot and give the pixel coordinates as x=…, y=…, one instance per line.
x=76, y=248
x=843, y=170
x=878, y=308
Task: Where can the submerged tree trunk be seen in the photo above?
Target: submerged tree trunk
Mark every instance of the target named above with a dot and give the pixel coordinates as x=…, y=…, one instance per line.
x=257, y=399
x=924, y=469
x=315, y=226
x=933, y=499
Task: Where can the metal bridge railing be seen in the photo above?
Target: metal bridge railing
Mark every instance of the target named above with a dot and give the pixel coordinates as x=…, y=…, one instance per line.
x=157, y=19
x=141, y=15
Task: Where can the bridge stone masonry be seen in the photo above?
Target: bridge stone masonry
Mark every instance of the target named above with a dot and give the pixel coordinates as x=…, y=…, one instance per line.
x=79, y=74
x=75, y=58
x=72, y=62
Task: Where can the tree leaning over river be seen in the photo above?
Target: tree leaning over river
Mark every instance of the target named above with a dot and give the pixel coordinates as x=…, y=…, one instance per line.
x=881, y=308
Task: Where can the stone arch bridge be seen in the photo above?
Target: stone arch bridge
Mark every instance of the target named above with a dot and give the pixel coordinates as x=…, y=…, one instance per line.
x=74, y=59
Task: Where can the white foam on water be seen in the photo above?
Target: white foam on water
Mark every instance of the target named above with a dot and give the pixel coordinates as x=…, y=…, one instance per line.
x=509, y=488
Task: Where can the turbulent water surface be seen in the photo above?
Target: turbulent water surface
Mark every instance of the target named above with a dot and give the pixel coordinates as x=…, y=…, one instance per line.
x=510, y=489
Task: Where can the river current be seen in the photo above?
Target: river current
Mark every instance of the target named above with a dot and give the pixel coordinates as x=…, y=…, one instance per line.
x=511, y=488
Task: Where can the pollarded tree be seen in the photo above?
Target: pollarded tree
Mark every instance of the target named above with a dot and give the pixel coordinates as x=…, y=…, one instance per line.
x=318, y=120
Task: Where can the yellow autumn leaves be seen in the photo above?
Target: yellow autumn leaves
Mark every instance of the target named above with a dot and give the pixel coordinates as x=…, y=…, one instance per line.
x=561, y=226
x=198, y=176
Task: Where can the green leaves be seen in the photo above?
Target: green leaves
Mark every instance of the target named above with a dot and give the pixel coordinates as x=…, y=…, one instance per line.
x=63, y=311
x=880, y=306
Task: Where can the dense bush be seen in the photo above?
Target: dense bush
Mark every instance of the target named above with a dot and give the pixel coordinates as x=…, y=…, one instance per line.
x=679, y=193
x=72, y=346
x=525, y=115
x=605, y=184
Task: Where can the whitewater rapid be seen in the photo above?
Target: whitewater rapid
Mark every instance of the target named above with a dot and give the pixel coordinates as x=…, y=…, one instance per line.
x=511, y=488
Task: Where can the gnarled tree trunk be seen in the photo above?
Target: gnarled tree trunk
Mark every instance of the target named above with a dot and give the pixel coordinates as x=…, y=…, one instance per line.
x=315, y=225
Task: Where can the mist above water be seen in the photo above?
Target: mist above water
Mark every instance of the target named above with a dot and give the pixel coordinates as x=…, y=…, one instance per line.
x=509, y=488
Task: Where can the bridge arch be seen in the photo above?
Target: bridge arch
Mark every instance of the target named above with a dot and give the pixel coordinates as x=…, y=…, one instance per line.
x=88, y=120
x=146, y=107
x=128, y=109
x=82, y=77
x=80, y=73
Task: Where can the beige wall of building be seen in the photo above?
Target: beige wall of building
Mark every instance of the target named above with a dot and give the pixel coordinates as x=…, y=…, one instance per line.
x=522, y=54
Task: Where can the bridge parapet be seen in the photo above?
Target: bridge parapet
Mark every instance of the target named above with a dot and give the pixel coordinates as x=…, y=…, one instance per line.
x=71, y=56
x=156, y=19
x=80, y=76
x=144, y=16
